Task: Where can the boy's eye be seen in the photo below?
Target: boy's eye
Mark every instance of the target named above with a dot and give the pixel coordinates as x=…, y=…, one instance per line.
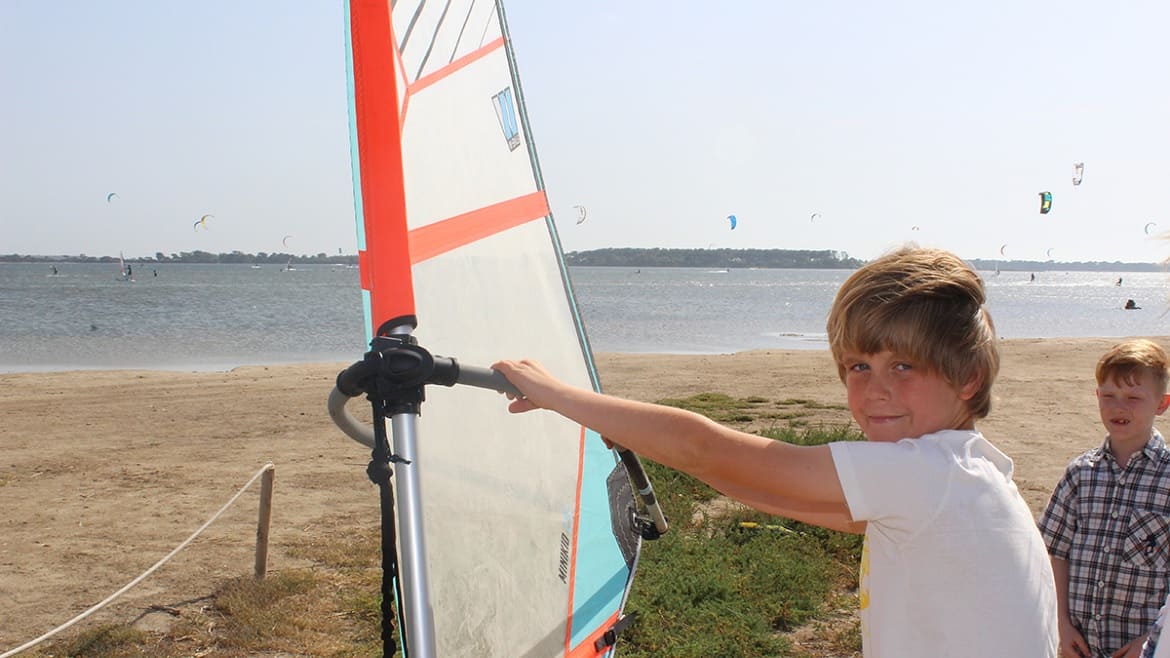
x=857, y=367
x=903, y=366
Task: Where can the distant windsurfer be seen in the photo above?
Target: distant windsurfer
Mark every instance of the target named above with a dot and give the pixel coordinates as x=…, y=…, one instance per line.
x=1118, y=284
x=129, y=270
x=54, y=269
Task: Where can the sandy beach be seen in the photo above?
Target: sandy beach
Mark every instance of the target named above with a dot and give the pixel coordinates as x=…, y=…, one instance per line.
x=103, y=473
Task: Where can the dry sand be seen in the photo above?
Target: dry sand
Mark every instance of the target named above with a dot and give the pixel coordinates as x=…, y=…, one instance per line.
x=103, y=473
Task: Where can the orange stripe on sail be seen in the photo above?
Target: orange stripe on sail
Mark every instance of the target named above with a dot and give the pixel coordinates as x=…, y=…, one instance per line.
x=435, y=76
x=402, y=113
x=588, y=646
x=576, y=528
x=439, y=238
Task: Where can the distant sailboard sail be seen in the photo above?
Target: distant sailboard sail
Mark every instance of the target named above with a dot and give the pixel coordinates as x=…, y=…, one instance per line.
x=530, y=530
x=125, y=272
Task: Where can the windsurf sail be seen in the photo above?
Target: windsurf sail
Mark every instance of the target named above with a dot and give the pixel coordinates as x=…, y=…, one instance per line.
x=530, y=537
x=125, y=273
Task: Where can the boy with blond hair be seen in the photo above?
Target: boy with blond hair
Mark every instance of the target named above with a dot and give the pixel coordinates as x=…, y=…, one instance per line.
x=953, y=564
x=1107, y=525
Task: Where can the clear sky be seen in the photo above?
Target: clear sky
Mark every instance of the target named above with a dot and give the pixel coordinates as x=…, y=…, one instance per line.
x=660, y=118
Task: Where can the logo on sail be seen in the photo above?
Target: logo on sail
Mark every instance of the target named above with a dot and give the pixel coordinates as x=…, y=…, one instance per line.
x=506, y=113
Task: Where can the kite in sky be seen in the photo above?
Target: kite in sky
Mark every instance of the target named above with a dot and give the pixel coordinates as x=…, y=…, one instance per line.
x=1045, y=202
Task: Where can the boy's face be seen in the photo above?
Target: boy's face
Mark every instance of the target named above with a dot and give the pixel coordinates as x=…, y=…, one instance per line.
x=1128, y=409
x=892, y=398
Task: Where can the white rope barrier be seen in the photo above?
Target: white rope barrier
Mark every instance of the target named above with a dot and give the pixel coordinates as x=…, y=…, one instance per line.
x=104, y=602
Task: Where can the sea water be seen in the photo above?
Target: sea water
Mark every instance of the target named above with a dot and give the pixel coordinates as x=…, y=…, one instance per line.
x=215, y=317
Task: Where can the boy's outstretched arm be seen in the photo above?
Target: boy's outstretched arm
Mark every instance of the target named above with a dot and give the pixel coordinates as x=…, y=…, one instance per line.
x=795, y=481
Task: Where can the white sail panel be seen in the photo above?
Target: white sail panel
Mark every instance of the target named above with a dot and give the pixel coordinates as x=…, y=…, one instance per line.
x=500, y=490
x=452, y=134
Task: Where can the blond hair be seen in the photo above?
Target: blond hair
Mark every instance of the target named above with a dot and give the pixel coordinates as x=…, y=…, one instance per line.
x=1125, y=362
x=926, y=305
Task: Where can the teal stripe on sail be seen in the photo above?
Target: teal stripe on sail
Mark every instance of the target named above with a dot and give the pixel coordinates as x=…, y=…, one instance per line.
x=601, y=569
x=355, y=169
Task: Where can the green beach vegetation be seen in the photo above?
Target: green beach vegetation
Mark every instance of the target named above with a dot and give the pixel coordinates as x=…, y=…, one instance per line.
x=725, y=581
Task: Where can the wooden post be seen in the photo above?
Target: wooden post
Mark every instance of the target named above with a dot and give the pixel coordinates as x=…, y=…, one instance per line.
x=264, y=521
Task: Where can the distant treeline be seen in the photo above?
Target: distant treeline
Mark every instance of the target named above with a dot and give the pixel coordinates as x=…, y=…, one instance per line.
x=623, y=257
x=190, y=257
x=982, y=264
x=797, y=258
x=775, y=258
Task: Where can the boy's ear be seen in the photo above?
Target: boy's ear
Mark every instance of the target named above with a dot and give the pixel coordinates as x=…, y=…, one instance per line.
x=1164, y=405
x=968, y=390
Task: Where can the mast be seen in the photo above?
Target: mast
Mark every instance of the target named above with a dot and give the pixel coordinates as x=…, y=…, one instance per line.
x=384, y=260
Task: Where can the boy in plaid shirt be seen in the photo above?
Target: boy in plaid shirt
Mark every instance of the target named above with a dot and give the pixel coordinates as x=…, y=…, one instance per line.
x=1107, y=525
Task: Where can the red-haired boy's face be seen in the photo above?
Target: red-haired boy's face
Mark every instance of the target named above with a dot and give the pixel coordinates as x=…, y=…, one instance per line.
x=1128, y=408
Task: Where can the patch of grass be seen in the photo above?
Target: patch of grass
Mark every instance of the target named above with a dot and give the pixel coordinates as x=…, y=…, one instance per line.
x=718, y=406
x=751, y=412
x=729, y=591
x=303, y=612
x=108, y=641
x=810, y=404
x=814, y=436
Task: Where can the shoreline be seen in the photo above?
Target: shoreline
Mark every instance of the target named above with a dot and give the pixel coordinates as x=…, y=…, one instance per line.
x=106, y=472
x=791, y=343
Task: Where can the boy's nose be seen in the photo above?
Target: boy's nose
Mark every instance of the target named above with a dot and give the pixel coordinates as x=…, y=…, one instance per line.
x=877, y=388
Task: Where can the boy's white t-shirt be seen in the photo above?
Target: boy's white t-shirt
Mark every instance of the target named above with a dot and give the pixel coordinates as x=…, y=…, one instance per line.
x=953, y=563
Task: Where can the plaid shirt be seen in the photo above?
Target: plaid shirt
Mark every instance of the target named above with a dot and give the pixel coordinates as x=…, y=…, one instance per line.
x=1112, y=526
